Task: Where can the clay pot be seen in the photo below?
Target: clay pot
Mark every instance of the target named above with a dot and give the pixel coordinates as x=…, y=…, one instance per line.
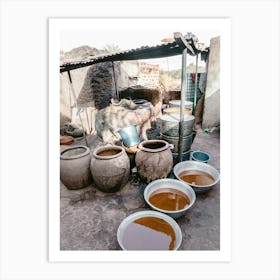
x=110, y=168
x=75, y=167
x=153, y=160
x=66, y=140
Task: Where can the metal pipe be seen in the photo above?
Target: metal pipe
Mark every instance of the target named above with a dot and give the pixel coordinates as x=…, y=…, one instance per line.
x=195, y=84
x=184, y=86
x=76, y=105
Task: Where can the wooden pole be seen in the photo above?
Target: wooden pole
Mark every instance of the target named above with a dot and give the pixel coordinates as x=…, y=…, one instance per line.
x=76, y=105
x=115, y=81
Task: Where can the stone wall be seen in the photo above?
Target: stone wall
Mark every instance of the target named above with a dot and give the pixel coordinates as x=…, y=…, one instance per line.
x=148, y=75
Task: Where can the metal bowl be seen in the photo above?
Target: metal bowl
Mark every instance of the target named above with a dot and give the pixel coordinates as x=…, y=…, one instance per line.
x=142, y=214
x=201, y=166
x=172, y=184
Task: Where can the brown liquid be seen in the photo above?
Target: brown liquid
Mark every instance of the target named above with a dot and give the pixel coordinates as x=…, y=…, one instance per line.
x=169, y=199
x=149, y=233
x=196, y=177
x=108, y=153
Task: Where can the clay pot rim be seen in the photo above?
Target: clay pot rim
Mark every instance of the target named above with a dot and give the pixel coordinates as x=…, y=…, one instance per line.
x=101, y=149
x=163, y=148
x=85, y=153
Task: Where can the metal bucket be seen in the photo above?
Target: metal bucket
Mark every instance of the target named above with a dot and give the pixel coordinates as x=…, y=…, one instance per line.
x=170, y=125
x=187, y=142
x=129, y=136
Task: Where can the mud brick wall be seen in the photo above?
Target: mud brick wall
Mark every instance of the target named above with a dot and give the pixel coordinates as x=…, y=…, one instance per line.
x=148, y=75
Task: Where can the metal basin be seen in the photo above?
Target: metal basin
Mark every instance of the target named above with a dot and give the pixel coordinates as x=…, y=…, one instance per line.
x=200, y=166
x=170, y=184
x=142, y=214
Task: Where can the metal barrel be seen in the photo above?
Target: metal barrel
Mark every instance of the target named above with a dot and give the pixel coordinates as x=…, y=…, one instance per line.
x=186, y=142
x=170, y=125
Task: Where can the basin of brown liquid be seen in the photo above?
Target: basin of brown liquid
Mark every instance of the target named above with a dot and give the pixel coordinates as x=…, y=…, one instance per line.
x=169, y=199
x=197, y=177
x=107, y=153
x=149, y=233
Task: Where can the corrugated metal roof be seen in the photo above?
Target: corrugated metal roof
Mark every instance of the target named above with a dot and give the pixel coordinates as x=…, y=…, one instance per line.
x=144, y=52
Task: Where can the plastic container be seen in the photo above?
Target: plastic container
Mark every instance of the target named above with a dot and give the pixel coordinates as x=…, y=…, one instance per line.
x=200, y=156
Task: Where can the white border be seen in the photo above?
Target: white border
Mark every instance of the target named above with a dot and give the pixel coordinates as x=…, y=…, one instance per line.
x=57, y=25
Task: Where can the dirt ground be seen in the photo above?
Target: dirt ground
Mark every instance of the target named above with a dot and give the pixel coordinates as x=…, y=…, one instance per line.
x=89, y=218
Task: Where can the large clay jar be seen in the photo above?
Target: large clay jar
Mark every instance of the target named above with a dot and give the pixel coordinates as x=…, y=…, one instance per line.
x=153, y=160
x=110, y=168
x=75, y=167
